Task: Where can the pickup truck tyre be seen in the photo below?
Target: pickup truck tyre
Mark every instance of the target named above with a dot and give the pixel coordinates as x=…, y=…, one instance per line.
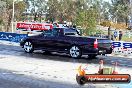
x=28, y=47
x=75, y=52
x=92, y=56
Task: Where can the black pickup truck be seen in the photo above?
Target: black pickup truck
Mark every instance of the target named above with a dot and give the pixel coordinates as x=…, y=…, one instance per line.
x=67, y=40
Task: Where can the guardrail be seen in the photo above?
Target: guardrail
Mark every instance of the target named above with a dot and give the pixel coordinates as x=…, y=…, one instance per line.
x=13, y=37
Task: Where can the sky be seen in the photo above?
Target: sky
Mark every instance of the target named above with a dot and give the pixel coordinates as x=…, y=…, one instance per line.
x=108, y=0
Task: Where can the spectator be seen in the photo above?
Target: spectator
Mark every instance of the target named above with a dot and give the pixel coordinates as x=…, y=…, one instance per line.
x=54, y=25
x=120, y=35
x=115, y=35
x=109, y=35
x=74, y=27
x=112, y=38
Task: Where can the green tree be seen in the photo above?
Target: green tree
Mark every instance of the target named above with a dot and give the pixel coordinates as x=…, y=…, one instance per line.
x=62, y=10
x=6, y=12
x=38, y=8
x=105, y=14
x=87, y=16
x=53, y=11
x=19, y=9
x=120, y=10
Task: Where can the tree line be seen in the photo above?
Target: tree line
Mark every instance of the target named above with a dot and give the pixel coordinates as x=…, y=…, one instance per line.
x=84, y=13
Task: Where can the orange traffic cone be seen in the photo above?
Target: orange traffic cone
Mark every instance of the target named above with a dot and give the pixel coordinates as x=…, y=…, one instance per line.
x=115, y=68
x=81, y=71
x=101, y=67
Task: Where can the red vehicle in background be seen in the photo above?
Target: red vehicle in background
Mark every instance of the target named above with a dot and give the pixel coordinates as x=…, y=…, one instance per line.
x=34, y=28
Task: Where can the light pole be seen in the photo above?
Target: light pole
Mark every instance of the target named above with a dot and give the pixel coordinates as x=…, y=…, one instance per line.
x=13, y=17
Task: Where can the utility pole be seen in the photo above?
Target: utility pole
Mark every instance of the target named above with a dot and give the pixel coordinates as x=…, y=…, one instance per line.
x=13, y=17
x=35, y=14
x=109, y=34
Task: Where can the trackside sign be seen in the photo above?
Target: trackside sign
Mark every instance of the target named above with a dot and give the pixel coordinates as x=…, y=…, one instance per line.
x=122, y=44
x=34, y=26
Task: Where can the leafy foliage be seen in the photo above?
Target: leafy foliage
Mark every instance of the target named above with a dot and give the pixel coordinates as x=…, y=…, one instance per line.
x=6, y=12
x=120, y=10
x=84, y=13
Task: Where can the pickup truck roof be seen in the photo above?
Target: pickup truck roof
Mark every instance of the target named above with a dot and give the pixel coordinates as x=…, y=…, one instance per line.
x=67, y=31
x=74, y=32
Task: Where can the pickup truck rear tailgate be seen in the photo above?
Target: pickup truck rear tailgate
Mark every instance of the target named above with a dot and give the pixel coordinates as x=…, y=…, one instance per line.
x=104, y=45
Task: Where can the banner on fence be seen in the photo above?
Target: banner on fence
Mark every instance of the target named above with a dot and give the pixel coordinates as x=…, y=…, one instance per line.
x=13, y=37
x=122, y=48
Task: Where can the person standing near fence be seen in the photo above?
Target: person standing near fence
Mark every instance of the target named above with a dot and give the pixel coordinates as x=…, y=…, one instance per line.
x=54, y=25
x=115, y=35
x=120, y=35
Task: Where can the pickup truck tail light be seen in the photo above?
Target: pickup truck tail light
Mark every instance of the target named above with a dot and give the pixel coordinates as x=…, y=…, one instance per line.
x=112, y=46
x=96, y=44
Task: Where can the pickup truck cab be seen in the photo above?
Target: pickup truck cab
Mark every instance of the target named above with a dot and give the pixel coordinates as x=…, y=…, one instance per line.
x=67, y=40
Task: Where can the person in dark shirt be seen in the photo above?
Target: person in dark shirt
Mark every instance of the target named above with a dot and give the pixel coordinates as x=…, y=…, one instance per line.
x=120, y=35
x=115, y=34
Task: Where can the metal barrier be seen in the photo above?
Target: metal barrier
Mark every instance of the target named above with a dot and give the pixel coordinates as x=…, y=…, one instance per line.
x=13, y=37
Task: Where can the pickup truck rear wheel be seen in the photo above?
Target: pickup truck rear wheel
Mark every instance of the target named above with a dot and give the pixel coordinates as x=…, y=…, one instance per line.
x=28, y=47
x=75, y=52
